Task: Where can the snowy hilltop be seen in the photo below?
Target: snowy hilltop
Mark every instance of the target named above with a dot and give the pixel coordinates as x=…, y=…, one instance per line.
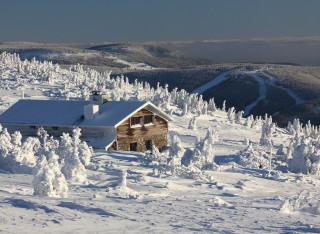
x=220, y=173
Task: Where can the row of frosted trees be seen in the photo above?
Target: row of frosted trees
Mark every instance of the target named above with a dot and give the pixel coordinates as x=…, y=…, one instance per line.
x=78, y=82
x=53, y=161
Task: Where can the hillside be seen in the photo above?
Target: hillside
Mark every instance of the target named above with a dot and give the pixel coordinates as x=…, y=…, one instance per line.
x=245, y=186
x=118, y=57
x=283, y=91
x=151, y=54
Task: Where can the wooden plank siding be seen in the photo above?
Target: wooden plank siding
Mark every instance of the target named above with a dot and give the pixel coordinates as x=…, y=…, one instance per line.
x=156, y=132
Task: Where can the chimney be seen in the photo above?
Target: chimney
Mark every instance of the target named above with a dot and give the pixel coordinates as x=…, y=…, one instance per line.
x=98, y=97
x=90, y=111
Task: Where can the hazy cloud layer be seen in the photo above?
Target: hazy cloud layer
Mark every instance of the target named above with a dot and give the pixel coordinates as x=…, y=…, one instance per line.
x=297, y=50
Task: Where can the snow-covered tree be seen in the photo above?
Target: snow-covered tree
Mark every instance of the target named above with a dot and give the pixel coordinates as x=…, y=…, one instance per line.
x=16, y=138
x=48, y=179
x=224, y=105
x=266, y=132
x=193, y=124
x=29, y=149
x=59, y=182
x=231, y=114
x=238, y=117
x=15, y=154
x=154, y=157
x=185, y=110
x=211, y=105
x=42, y=133
x=305, y=158
x=65, y=147
x=249, y=121
x=202, y=157
x=73, y=169
x=176, y=153
x=84, y=151
x=251, y=159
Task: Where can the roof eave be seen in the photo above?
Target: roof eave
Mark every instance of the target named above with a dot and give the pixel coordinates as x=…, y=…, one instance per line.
x=162, y=114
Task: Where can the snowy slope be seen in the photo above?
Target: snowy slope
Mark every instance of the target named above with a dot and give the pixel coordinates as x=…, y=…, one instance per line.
x=235, y=200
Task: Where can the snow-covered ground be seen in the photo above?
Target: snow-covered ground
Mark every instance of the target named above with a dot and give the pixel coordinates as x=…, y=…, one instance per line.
x=235, y=200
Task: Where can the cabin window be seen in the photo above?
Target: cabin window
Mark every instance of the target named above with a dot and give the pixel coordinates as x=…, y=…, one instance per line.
x=148, y=145
x=54, y=128
x=136, y=121
x=133, y=146
x=148, y=119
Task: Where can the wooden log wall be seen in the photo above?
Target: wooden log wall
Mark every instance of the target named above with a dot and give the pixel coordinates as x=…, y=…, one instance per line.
x=156, y=132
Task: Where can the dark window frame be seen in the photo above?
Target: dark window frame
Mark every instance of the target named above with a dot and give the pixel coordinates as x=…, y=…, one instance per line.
x=149, y=118
x=136, y=120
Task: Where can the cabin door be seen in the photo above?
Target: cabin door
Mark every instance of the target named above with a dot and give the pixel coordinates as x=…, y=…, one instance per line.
x=133, y=146
x=148, y=145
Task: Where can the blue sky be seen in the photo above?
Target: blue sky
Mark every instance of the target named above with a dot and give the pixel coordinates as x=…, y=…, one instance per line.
x=73, y=21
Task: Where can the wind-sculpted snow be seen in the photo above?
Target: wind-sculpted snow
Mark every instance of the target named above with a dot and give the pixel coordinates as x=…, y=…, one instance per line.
x=81, y=208
x=20, y=203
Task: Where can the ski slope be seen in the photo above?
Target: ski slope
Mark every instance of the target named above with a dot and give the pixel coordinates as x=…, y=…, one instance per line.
x=262, y=89
x=216, y=81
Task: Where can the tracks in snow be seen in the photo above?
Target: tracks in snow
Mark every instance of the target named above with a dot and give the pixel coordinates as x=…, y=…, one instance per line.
x=262, y=87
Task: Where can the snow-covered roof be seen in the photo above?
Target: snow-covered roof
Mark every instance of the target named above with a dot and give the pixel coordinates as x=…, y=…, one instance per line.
x=62, y=112
x=100, y=142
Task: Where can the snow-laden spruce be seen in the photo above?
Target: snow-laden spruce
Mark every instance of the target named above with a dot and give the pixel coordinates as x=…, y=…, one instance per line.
x=48, y=179
x=202, y=156
x=15, y=154
x=193, y=123
x=176, y=153
x=304, y=156
x=153, y=157
x=73, y=169
x=252, y=159
x=267, y=130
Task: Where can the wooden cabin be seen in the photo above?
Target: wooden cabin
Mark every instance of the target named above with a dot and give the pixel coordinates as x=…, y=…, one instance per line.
x=117, y=125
